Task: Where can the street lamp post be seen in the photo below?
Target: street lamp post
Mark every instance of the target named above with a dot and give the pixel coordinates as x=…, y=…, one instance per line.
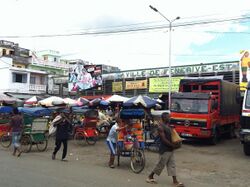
x=169, y=53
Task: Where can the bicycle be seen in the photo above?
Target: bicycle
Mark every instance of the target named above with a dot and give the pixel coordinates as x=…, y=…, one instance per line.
x=25, y=141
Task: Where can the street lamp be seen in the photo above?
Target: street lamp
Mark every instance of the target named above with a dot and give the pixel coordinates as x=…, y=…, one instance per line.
x=169, y=53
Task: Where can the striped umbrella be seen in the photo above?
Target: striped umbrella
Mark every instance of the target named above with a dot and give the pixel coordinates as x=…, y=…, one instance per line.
x=145, y=101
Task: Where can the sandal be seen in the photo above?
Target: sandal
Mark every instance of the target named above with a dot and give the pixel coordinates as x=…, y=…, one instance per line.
x=151, y=181
x=179, y=184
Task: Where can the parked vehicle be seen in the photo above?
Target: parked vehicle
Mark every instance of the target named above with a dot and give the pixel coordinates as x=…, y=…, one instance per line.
x=130, y=141
x=245, y=122
x=206, y=108
x=87, y=131
x=35, y=129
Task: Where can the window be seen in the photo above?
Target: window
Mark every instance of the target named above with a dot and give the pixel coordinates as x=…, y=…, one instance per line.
x=42, y=80
x=19, y=78
x=32, y=80
x=4, y=52
x=45, y=57
x=209, y=87
x=55, y=60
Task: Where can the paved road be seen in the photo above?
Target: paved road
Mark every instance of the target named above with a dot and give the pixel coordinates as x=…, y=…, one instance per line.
x=198, y=165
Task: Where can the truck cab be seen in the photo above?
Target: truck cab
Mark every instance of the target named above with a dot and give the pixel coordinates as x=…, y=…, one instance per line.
x=205, y=109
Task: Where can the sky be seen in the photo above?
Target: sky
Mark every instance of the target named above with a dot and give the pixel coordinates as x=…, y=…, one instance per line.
x=193, y=41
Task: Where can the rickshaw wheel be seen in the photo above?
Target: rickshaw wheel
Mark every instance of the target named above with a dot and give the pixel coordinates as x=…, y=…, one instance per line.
x=42, y=146
x=6, y=140
x=137, y=160
x=26, y=143
x=79, y=138
x=91, y=140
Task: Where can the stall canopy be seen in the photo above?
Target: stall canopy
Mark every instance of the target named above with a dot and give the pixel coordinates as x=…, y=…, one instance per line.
x=33, y=100
x=82, y=101
x=145, y=101
x=52, y=101
x=70, y=102
x=117, y=98
x=7, y=99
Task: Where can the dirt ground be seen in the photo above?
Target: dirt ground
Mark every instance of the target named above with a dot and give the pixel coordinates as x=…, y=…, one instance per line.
x=198, y=164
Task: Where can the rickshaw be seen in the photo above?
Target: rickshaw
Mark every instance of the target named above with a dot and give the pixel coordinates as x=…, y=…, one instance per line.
x=86, y=131
x=5, y=128
x=35, y=129
x=130, y=141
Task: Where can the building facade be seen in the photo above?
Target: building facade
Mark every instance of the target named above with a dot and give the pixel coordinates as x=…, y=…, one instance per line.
x=154, y=81
x=49, y=61
x=19, y=81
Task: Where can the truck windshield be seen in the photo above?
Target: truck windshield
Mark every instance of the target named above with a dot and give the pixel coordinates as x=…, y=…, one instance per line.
x=189, y=105
x=247, y=102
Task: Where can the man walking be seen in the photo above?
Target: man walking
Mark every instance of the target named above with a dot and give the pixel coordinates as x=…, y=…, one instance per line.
x=16, y=123
x=62, y=134
x=166, y=154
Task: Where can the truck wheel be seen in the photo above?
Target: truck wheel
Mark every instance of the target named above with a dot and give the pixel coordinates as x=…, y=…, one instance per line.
x=231, y=133
x=246, y=148
x=215, y=138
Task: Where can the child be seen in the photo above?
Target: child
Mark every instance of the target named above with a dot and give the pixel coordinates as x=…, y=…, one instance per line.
x=112, y=140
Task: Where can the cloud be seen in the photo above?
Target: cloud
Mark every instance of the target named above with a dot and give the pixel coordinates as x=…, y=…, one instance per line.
x=127, y=51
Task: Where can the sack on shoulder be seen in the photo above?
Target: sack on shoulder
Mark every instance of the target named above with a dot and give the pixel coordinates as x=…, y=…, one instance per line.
x=52, y=129
x=175, y=136
x=58, y=119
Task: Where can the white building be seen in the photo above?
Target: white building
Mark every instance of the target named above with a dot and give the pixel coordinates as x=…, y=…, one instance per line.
x=20, y=80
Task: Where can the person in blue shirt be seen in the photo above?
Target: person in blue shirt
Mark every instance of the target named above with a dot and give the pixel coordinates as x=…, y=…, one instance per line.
x=112, y=140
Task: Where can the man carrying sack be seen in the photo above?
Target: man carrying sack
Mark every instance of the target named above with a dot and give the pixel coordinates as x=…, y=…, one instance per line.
x=166, y=152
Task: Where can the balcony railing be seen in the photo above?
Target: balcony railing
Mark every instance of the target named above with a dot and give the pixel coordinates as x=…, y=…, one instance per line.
x=50, y=64
x=37, y=87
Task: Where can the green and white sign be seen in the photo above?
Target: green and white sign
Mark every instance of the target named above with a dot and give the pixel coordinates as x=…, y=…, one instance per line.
x=161, y=85
x=175, y=70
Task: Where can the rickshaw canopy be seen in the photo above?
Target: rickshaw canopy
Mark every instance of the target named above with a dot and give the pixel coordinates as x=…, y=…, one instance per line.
x=132, y=114
x=6, y=109
x=35, y=112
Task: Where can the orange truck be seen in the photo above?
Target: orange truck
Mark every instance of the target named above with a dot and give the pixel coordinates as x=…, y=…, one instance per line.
x=205, y=108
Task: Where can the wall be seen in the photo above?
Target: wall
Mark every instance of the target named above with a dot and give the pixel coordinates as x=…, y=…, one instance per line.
x=5, y=73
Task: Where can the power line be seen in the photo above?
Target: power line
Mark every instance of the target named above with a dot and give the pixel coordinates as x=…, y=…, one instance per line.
x=136, y=29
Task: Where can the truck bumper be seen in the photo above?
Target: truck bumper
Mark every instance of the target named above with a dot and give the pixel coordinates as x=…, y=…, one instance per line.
x=193, y=132
x=245, y=136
